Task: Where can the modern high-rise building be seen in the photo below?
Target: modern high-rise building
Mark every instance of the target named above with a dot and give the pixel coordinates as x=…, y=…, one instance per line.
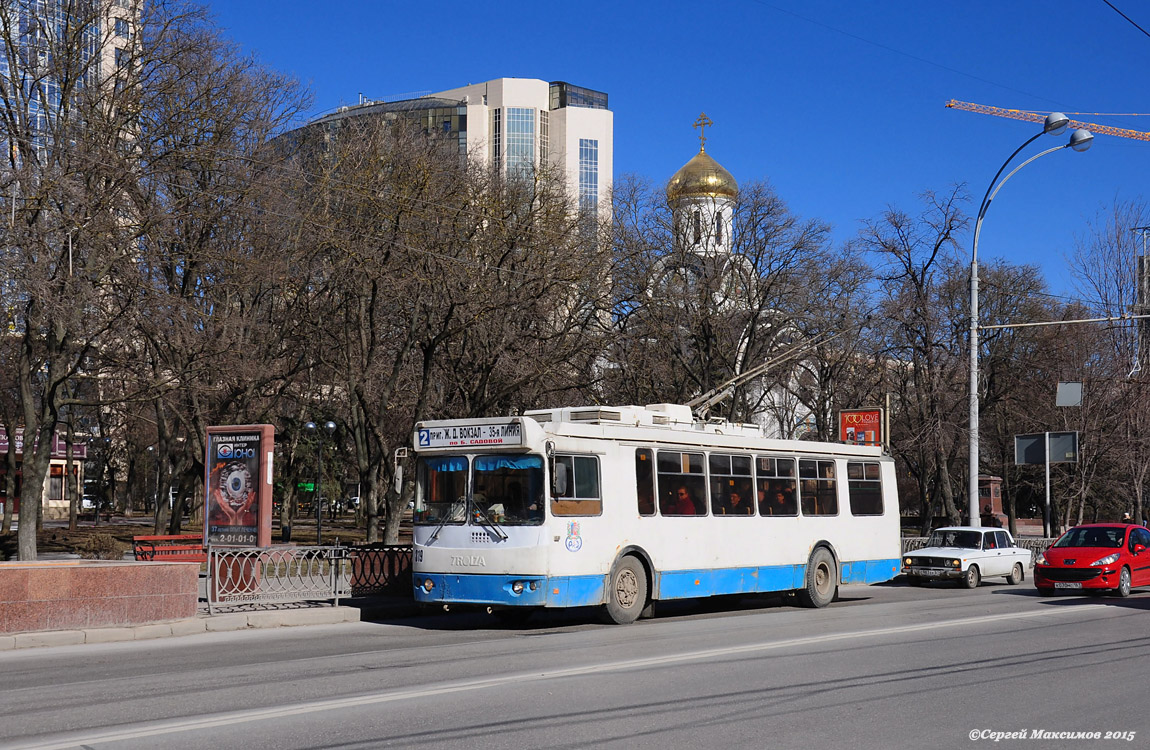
x=58, y=57
x=36, y=71
x=519, y=125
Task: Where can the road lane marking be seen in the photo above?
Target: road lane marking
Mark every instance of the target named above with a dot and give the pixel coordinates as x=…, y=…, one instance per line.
x=173, y=726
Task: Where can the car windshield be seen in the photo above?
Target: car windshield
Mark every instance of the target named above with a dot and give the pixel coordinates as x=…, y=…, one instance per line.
x=956, y=538
x=1081, y=537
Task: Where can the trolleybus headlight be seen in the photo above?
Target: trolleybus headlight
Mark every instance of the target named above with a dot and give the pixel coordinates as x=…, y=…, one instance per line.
x=517, y=587
x=534, y=585
x=428, y=585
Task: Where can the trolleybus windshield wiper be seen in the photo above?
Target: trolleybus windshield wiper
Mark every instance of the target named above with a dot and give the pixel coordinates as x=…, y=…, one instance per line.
x=484, y=520
x=446, y=517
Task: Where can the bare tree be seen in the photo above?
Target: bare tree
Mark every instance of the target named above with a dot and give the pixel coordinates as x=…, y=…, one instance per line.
x=916, y=256
x=1105, y=267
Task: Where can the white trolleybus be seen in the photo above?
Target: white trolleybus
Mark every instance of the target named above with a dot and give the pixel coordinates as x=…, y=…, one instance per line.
x=624, y=506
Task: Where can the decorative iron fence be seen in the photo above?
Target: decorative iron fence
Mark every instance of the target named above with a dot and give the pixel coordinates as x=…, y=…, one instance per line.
x=381, y=569
x=274, y=575
x=247, y=575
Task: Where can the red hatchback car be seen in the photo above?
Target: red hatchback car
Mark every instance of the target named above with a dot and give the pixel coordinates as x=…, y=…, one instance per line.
x=1096, y=556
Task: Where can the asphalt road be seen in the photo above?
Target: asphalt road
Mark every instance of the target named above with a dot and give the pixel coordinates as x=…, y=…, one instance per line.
x=887, y=667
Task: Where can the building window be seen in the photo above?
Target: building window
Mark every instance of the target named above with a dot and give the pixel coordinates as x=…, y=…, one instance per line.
x=589, y=176
x=520, y=141
x=544, y=136
x=496, y=138
x=123, y=28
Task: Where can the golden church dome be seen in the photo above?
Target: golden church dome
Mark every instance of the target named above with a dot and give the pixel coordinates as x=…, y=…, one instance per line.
x=702, y=176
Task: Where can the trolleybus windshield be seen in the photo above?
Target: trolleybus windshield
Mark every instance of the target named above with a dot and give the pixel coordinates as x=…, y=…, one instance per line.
x=502, y=489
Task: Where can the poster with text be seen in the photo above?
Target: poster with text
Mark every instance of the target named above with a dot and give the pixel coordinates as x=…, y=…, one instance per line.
x=861, y=426
x=238, y=484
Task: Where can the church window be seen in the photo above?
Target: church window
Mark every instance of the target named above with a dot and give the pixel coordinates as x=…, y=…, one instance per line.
x=719, y=227
x=698, y=221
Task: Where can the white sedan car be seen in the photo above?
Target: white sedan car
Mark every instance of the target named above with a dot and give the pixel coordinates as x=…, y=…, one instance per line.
x=969, y=554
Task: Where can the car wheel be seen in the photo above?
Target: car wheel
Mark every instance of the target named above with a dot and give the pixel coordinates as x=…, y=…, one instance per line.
x=1123, y=589
x=626, y=592
x=1017, y=575
x=821, y=585
x=972, y=577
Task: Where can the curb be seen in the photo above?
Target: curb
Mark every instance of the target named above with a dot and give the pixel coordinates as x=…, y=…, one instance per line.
x=190, y=626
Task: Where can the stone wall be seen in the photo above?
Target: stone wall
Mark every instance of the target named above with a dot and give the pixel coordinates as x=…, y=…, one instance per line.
x=74, y=594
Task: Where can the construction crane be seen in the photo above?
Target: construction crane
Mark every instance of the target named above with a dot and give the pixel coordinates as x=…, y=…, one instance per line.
x=1021, y=114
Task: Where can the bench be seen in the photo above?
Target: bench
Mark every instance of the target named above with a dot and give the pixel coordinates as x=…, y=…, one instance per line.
x=170, y=547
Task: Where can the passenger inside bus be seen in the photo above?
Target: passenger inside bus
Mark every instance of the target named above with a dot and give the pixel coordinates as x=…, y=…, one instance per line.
x=736, y=506
x=775, y=501
x=680, y=503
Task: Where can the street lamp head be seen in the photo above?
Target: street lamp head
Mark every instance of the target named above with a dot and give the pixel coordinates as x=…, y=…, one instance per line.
x=1056, y=123
x=1081, y=139
x=310, y=427
x=330, y=425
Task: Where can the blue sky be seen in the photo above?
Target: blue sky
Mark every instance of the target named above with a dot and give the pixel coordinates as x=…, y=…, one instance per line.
x=839, y=105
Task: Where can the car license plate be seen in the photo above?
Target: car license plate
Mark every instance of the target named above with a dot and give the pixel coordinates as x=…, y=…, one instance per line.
x=929, y=573
x=1067, y=585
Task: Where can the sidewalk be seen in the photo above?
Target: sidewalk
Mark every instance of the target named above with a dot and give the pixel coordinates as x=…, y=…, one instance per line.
x=368, y=608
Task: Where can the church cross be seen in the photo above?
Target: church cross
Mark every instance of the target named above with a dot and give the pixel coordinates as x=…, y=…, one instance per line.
x=702, y=124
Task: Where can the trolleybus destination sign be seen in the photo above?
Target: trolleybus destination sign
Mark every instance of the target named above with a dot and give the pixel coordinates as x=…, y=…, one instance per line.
x=504, y=433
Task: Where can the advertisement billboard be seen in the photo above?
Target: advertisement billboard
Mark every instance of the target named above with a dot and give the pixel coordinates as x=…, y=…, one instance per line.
x=238, y=483
x=861, y=426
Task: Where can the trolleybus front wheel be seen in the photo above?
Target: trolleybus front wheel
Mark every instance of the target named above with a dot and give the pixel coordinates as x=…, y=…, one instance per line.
x=821, y=584
x=626, y=592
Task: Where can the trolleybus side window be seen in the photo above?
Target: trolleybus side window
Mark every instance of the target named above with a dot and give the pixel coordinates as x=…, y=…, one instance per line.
x=776, y=486
x=731, y=485
x=864, y=488
x=682, y=484
x=442, y=490
x=817, y=491
x=579, y=494
x=645, y=481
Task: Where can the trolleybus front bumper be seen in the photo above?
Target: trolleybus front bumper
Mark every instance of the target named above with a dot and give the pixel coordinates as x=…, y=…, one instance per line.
x=509, y=590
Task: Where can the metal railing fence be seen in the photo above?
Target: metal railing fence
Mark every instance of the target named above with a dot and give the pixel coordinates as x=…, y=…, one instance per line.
x=274, y=575
x=1036, y=546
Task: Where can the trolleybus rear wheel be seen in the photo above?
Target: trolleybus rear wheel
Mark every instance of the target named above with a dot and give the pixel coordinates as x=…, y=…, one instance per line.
x=821, y=585
x=626, y=592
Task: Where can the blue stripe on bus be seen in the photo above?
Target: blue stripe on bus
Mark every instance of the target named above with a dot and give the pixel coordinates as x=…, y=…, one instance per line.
x=583, y=591
x=557, y=591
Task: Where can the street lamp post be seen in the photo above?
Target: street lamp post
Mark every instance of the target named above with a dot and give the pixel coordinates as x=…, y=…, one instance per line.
x=156, y=496
x=1080, y=139
x=312, y=429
